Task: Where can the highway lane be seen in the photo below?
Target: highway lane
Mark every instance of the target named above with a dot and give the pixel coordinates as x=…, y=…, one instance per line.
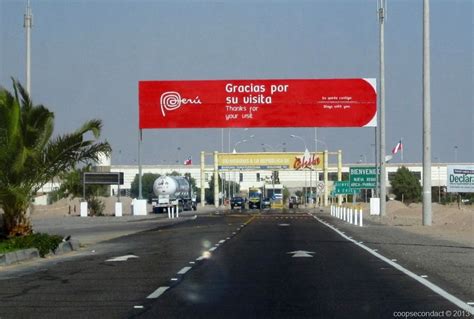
x=92, y=287
x=255, y=275
x=251, y=270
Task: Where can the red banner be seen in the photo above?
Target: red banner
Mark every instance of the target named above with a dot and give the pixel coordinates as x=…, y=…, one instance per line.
x=257, y=103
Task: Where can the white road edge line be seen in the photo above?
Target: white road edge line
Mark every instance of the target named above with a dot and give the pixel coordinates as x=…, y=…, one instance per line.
x=213, y=248
x=222, y=241
x=461, y=304
x=184, y=270
x=158, y=292
x=138, y=307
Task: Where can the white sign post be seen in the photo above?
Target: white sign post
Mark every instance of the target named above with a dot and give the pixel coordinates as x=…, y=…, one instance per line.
x=375, y=206
x=83, y=209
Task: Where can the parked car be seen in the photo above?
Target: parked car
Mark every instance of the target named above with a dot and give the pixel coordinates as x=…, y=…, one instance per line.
x=237, y=201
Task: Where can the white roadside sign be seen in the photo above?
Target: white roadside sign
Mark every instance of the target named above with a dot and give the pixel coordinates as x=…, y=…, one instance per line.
x=460, y=179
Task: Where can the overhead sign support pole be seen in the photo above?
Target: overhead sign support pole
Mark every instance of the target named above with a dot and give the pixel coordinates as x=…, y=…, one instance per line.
x=325, y=170
x=339, y=173
x=203, y=179
x=216, y=179
x=140, y=137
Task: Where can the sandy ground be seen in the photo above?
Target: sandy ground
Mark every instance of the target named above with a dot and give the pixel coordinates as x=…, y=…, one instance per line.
x=449, y=222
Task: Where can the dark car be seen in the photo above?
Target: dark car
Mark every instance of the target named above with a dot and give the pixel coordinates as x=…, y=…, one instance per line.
x=237, y=202
x=266, y=203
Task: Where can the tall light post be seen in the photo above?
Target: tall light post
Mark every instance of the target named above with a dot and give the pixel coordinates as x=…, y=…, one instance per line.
x=383, y=187
x=236, y=144
x=427, y=214
x=305, y=179
x=316, y=141
x=266, y=145
x=27, y=24
x=234, y=152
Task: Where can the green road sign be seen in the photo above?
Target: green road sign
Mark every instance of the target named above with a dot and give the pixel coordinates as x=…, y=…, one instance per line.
x=362, y=177
x=343, y=188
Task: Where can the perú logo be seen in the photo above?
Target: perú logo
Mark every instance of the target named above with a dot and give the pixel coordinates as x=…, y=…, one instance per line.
x=170, y=101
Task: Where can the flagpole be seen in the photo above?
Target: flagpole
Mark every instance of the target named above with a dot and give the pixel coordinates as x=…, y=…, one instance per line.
x=401, y=145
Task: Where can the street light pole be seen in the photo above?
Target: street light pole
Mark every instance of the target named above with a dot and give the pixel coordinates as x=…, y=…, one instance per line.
x=27, y=24
x=427, y=214
x=305, y=177
x=383, y=187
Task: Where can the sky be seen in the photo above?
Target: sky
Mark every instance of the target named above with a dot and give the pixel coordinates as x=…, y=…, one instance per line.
x=89, y=55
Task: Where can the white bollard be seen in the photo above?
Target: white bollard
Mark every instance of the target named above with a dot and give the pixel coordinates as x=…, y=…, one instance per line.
x=361, y=217
x=168, y=209
x=350, y=215
x=83, y=209
x=172, y=212
x=356, y=213
x=118, y=209
x=177, y=211
x=344, y=212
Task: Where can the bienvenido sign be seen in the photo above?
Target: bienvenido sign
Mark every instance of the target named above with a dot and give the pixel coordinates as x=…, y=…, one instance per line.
x=258, y=103
x=362, y=177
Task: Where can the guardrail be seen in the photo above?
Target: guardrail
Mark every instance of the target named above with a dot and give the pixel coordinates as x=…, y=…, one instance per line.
x=352, y=215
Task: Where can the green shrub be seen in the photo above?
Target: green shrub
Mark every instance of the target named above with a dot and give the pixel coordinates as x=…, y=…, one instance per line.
x=43, y=242
x=96, y=206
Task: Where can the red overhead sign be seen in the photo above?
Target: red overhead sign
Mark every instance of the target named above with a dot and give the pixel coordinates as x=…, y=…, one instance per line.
x=257, y=103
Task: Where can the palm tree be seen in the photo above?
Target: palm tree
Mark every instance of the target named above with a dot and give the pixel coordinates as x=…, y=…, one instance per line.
x=30, y=157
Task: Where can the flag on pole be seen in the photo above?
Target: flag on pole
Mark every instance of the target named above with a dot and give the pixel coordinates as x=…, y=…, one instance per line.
x=397, y=148
x=189, y=161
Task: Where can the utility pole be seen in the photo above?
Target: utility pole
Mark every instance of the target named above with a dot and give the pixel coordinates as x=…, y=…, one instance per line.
x=383, y=186
x=427, y=216
x=27, y=24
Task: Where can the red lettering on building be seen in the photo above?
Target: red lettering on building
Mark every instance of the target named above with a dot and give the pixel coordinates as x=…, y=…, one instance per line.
x=306, y=162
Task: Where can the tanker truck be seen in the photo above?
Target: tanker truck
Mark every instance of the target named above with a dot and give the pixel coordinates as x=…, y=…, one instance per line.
x=172, y=192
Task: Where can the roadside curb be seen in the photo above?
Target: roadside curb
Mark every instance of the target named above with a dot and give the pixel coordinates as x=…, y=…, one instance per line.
x=18, y=256
x=21, y=255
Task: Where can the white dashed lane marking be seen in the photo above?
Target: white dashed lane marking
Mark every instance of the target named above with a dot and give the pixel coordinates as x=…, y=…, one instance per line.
x=158, y=292
x=183, y=270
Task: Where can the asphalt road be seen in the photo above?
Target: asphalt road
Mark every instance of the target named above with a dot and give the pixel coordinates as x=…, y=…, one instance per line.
x=237, y=266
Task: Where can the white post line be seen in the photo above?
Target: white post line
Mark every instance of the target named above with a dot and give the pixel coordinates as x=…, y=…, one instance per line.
x=361, y=217
x=158, y=292
x=356, y=213
x=461, y=304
